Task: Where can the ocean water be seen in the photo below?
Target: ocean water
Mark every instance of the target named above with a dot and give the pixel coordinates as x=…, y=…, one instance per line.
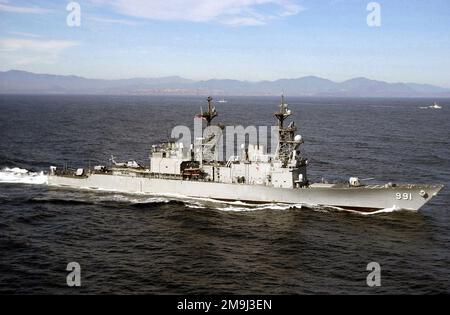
x=151, y=244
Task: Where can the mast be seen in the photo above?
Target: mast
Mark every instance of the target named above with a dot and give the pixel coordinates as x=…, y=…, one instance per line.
x=208, y=150
x=211, y=113
x=283, y=113
x=286, y=135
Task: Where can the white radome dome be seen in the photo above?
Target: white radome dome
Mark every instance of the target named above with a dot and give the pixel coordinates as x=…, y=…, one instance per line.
x=298, y=138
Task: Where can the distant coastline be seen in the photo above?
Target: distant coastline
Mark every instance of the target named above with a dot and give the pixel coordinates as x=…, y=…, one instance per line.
x=22, y=82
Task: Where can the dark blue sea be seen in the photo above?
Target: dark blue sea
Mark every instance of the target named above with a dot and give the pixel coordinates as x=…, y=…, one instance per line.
x=134, y=244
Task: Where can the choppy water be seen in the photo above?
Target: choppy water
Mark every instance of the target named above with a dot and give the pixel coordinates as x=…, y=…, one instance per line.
x=151, y=244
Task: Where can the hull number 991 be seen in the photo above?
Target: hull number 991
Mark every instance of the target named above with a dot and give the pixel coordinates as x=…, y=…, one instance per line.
x=404, y=196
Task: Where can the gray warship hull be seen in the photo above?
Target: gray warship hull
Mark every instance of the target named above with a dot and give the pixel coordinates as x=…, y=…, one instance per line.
x=367, y=198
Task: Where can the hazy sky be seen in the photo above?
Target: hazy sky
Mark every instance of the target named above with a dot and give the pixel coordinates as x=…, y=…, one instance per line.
x=236, y=39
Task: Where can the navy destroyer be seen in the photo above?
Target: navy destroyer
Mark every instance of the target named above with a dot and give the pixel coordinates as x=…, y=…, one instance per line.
x=251, y=177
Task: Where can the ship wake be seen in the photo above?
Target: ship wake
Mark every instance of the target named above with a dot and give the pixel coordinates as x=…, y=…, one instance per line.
x=315, y=208
x=380, y=211
x=22, y=176
x=244, y=207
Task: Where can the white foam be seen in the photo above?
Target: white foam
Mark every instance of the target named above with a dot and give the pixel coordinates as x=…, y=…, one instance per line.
x=22, y=176
x=386, y=210
x=195, y=206
x=249, y=207
x=134, y=200
x=283, y=207
x=195, y=202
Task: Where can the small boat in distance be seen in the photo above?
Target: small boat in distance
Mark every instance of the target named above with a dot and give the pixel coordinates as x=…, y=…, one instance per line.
x=434, y=106
x=222, y=101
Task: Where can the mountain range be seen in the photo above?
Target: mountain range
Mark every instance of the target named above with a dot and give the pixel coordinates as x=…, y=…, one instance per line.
x=22, y=82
